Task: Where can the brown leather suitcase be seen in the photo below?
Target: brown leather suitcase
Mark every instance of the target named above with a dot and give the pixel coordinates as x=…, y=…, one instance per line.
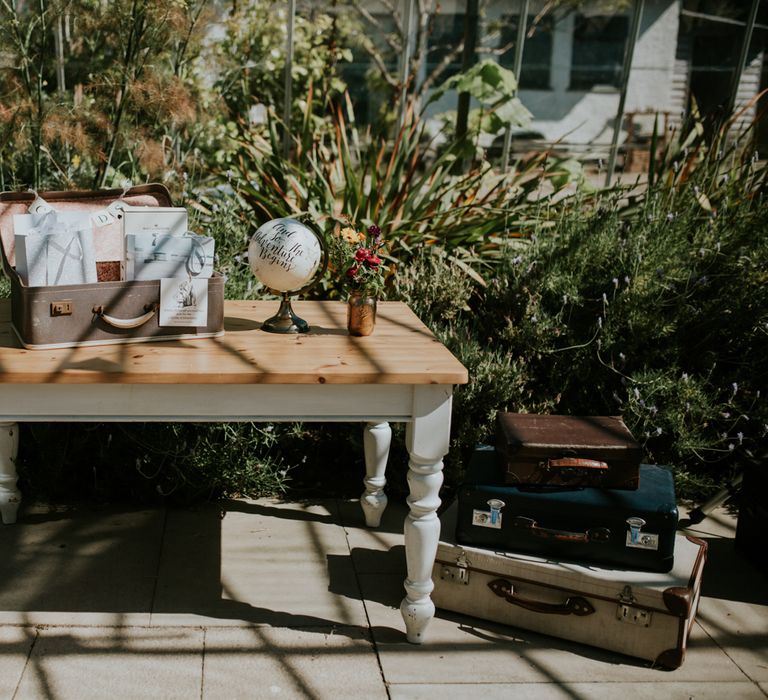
x=105, y=312
x=571, y=451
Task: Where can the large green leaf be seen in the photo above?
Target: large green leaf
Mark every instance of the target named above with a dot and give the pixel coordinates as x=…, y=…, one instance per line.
x=513, y=113
x=487, y=81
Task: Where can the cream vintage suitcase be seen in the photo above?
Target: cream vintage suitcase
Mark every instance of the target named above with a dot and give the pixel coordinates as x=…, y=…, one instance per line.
x=641, y=614
x=104, y=312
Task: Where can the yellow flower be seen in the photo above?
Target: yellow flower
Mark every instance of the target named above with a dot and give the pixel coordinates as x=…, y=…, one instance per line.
x=361, y=237
x=350, y=235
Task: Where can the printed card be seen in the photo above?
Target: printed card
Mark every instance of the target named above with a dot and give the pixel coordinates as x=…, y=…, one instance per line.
x=158, y=220
x=183, y=302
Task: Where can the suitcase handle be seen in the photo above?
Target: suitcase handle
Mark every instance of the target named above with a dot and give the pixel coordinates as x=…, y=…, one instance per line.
x=575, y=605
x=595, y=534
x=126, y=323
x=575, y=463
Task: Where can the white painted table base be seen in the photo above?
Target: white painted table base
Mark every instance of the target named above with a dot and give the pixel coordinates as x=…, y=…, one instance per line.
x=10, y=496
x=426, y=409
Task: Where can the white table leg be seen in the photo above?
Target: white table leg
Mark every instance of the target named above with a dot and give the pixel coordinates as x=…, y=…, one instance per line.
x=10, y=496
x=427, y=440
x=376, y=440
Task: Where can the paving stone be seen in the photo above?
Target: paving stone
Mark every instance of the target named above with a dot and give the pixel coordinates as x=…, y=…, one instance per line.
x=135, y=662
x=15, y=645
x=275, y=600
x=376, y=550
x=741, y=630
x=721, y=522
x=262, y=662
x=263, y=563
x=57, y=565
x=571, y=691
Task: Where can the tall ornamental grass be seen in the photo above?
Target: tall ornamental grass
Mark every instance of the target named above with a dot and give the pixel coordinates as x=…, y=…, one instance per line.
x=651, y=303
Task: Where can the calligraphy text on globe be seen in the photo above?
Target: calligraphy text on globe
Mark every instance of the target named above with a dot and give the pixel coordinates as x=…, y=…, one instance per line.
x=275, y=251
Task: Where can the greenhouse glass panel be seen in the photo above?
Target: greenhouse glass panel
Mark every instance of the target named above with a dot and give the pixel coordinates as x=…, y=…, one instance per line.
x=363, y=78
x=537, y=53
x=447, y=33
x=598, y=51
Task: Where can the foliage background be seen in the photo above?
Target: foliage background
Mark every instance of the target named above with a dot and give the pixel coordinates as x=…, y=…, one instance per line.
x=558, y=296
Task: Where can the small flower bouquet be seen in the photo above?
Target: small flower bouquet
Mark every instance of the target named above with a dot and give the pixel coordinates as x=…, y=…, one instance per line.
x=356, y=257
x=357, y=260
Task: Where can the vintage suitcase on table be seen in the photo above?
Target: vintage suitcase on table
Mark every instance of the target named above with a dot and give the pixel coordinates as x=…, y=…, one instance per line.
x=105, y=312
x=633, y=529
x=641, y=614
x=567, y=450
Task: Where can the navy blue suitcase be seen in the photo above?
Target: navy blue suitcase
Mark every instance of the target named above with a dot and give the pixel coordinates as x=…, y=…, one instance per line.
x=626, y=529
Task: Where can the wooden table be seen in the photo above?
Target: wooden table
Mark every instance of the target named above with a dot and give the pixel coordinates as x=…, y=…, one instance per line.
x=401, y=373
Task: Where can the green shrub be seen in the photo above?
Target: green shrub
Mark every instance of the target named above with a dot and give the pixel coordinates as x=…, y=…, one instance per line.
x=153, y=462
x=658, y=313
x=417, y=196
x=5, y=286
x=127, y=104
x=250, y=58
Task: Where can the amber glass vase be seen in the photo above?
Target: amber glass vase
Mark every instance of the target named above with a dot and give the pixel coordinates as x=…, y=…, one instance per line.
x=361, y=313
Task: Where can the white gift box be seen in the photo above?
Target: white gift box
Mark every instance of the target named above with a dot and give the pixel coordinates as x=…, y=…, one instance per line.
x=159, y=220
x=54, y=249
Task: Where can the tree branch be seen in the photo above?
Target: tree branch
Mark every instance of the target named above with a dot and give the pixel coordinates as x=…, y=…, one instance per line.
x=388, y=5
x=384, y=35
x=379, y=61
x=441, y=67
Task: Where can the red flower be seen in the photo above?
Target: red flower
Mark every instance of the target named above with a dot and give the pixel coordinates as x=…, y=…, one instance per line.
x=352, y=271
x=373, y=261
x=362, y=254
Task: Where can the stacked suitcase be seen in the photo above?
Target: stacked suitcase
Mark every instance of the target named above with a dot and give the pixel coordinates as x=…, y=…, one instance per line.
x=560, y=529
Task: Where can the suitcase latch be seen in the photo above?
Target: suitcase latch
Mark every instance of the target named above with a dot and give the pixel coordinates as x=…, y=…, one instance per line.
x=458, y=573
x=627, y=612
x=633, y=616
x=61, y=308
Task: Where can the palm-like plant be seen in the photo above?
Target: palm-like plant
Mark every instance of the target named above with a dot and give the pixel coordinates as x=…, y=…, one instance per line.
x=408, y=186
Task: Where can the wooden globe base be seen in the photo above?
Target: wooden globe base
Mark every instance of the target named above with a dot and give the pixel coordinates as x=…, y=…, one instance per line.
x=285, y=321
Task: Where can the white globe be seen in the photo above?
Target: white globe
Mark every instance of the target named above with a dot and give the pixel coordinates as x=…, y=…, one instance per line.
x=284, y=255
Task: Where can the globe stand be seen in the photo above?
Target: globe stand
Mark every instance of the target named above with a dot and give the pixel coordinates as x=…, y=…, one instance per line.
x=285, y=254
x=285, y=321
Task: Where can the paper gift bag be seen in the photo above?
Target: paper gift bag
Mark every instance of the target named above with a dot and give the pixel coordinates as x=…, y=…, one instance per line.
x=55, y=252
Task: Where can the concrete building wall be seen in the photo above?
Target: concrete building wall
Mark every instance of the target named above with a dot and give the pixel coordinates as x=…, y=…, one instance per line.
x=659, y=81
x=586, y=116
x=650, y=82
x=749, y=86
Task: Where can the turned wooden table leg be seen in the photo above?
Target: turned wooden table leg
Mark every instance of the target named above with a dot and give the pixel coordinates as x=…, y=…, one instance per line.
x=427, y=440
x=10, y=496
x=376, y=440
